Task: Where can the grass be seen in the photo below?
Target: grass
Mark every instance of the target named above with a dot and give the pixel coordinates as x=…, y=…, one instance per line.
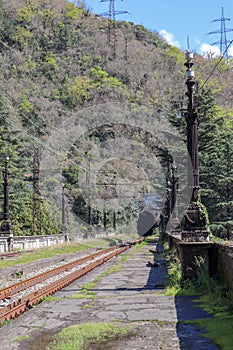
x=219, y=329
x=4, y=323
x=219, y=302
x=78, y=337
x=44, y=253
x=83, y=295
x=108, y=241
x=212, y=297
x=123, y=258
x=49, y=298
x=174, y=285
x=66, y=248
x=21, y=338
x=85, y=288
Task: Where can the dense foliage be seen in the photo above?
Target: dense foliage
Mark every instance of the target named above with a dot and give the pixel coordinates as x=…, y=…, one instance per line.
x=55, y=60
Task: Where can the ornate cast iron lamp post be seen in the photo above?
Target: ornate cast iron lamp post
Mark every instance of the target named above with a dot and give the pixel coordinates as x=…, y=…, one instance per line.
x=174, y=181
x=169, y=200
x=194, y=223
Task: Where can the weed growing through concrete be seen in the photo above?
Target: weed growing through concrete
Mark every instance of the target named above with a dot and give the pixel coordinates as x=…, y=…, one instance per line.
x=83, y=294
x=49, y=298
x=86, y=292
x=23, y=337
x=78, y=336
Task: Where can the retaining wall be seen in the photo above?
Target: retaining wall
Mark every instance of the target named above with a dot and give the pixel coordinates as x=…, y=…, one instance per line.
x=218, y=258
x=222, y=256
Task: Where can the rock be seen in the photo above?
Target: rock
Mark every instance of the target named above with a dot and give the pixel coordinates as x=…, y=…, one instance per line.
x=152, y=264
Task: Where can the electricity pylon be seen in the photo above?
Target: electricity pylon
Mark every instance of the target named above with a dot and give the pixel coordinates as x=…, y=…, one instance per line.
x=111, y=15
x=223, y=38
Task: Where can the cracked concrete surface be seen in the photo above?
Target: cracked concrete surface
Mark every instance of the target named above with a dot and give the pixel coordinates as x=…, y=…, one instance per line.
x=132, y=296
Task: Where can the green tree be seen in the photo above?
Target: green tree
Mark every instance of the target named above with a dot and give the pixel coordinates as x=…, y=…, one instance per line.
x=78, y=92
x=218, y=183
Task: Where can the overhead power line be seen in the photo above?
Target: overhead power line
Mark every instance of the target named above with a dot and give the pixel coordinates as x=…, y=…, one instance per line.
x=216, y=65
x=223, y=42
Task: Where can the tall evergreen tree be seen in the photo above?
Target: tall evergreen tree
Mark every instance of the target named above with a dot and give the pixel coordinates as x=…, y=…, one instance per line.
x=217, y=186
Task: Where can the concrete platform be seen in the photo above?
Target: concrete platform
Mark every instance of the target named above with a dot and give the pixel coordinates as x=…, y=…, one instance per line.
x=132, y=296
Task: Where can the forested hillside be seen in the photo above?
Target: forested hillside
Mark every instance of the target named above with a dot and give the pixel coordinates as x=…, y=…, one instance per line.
x=56, y=60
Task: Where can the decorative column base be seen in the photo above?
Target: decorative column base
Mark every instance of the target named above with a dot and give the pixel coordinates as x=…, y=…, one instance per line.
x=195, y=236
x=6, y=229
x=194, y=224
x=64, y=232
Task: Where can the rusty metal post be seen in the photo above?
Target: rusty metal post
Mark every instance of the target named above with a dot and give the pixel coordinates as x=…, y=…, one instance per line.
x=63, y=226
x=114, y=221
x=6, y=228
x=105, y=217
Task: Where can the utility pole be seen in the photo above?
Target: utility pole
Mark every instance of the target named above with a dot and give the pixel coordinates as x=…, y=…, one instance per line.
x=105, y=216
x=223, y=38
x=111, y=14
x=114, y=220
x=88, y=172
x=6, y=228
x=63, y=225
x=126, y=47
x=194, y=223
x=36, y=196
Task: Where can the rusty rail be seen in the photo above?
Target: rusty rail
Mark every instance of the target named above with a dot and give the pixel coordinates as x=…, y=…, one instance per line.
x=15, y=308
x=22, y=285
x=12, y=254
x=9, y=255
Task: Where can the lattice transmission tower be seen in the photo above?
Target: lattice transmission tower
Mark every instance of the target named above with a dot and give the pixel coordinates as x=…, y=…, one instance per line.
x=223, y=42
x=111, y=15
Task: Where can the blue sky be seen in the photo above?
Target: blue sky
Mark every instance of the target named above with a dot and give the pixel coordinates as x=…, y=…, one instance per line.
x=176, y=19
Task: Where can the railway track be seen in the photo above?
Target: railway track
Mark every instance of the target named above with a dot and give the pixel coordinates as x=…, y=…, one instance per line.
x=13, y=254
x=20, y=297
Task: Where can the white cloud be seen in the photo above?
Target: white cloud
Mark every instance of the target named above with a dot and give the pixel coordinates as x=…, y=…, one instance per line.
x=213, y=51
x=209, y=51
x=169, y=37
x=230, y=51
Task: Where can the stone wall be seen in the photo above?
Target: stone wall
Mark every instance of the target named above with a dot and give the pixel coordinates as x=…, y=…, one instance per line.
x=218, y=258
x=223, y=263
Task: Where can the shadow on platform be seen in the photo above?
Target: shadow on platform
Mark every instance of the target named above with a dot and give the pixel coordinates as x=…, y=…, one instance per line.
x=187, y=309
